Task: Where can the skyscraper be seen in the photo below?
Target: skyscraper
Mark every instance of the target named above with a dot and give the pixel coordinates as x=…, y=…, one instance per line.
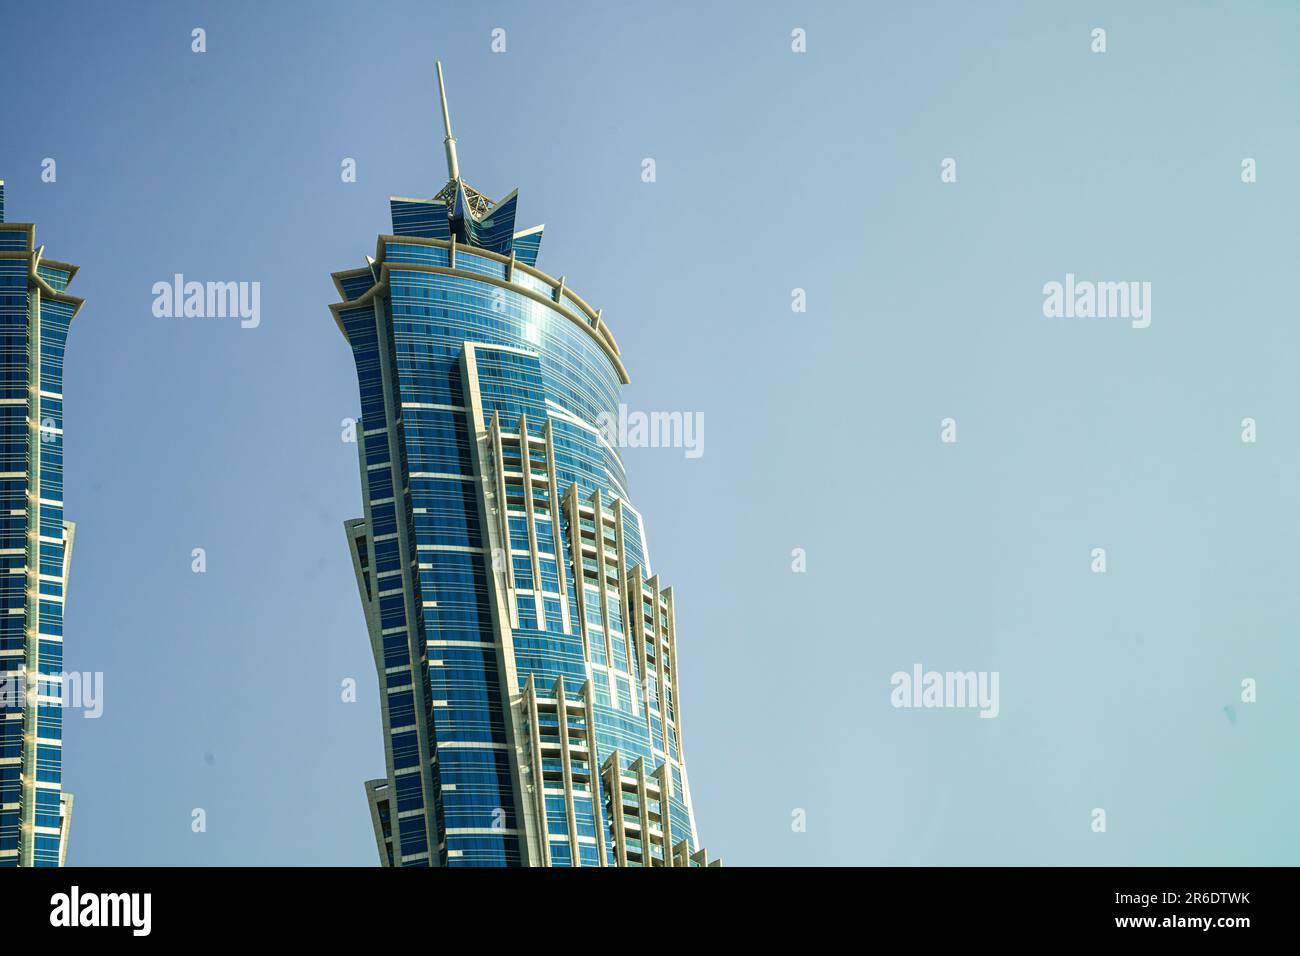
x=35, y=548
x=527, y=654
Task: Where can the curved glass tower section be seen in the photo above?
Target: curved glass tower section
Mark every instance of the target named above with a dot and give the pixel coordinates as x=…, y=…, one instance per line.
x=526, y=652
x=35, y=548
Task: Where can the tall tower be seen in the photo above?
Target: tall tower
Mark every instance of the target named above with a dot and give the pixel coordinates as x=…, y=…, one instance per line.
x=527, y=654
x=35, y=548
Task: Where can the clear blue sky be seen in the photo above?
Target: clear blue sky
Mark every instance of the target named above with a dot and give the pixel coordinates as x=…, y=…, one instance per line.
x=775, y=171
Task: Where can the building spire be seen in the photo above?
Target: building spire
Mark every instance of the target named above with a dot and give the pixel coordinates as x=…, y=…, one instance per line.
x=453, y=168
x=475, y=202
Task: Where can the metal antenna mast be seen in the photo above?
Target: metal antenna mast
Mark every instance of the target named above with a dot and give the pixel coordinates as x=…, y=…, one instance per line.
x=453, y=168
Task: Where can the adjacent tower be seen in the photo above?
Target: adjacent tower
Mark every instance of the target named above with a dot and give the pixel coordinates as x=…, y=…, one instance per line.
x=526, y=652
x=35, y=547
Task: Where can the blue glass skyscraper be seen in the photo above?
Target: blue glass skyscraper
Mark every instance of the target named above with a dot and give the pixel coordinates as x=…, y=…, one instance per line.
x=526, y=652
x=35, y=547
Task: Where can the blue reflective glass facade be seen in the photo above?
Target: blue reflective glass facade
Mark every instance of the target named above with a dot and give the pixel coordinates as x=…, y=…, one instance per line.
x=35, y=548
x=526, y=652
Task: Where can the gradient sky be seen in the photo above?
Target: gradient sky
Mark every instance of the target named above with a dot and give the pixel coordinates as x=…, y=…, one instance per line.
x=775, y=171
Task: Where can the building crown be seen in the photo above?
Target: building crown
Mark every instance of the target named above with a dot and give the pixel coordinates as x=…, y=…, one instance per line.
x=459, y=210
